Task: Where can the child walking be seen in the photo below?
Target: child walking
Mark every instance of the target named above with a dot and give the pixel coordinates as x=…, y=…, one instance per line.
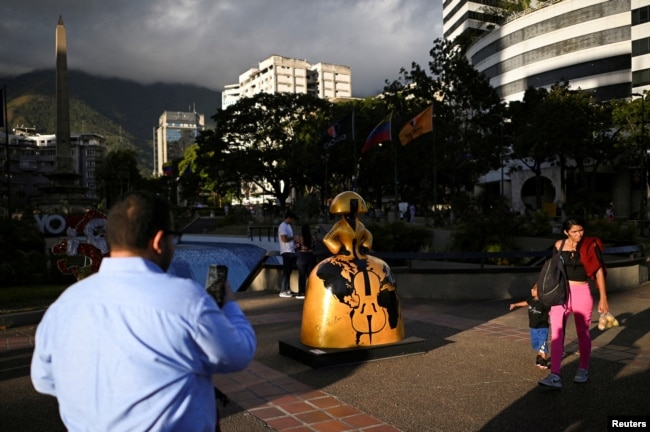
x=538, y=323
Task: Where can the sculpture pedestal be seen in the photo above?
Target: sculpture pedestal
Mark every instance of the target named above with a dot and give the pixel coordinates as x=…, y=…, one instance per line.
x=329, y=357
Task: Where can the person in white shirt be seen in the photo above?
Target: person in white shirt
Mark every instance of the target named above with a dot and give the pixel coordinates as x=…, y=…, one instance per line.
x=287, y=251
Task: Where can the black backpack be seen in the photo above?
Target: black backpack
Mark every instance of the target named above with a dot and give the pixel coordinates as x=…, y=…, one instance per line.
x=553, y=283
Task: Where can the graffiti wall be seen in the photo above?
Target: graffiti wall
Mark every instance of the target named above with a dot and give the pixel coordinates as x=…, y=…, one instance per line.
x=82, y=244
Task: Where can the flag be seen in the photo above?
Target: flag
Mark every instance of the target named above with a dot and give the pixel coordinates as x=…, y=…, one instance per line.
x=381, y=133
x=2, y=107
x=168, y=169
x=338, y=131
x=418, y=125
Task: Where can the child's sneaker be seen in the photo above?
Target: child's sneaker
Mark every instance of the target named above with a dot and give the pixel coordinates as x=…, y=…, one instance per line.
x=552, y=381
x=541, y=362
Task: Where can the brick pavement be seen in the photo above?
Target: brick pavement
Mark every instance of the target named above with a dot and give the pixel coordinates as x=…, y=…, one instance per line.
x=286, y=404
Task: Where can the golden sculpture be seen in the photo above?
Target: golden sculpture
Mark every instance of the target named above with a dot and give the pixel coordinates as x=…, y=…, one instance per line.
x=351, y=297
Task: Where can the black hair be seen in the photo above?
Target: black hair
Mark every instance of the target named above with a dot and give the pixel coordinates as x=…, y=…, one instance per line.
x=570, y=222
x=135, y=219
x=566, y=226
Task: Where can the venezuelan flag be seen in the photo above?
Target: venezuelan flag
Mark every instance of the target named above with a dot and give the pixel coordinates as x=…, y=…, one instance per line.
x=381, y=133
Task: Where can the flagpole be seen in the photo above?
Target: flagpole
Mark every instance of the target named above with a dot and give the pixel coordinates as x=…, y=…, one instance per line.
x=394, y=146
x=395, y=179
x=435, y=173
x=327, y=160
x=355, y=164
x=5, y=119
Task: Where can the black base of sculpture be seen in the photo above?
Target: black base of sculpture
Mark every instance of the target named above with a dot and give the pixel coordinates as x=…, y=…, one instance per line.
x=329, y=357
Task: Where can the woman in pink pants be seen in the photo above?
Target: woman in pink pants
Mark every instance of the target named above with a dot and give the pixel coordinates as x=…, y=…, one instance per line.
x=582, y=258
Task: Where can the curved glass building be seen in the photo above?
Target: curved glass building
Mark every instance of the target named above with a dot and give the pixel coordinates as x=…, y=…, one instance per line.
x=597, y=45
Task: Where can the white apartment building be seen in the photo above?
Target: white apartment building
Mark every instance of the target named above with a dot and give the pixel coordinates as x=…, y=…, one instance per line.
x=278, y=74
x=176, y=132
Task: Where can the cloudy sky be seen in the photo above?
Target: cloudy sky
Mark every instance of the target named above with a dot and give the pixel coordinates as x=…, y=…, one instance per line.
x=211, y=42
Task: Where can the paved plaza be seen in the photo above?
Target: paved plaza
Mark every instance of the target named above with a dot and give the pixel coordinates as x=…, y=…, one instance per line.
x=477, y=375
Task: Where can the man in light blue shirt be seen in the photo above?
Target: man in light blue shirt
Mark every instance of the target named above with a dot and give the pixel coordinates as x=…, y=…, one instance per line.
x=133, y=348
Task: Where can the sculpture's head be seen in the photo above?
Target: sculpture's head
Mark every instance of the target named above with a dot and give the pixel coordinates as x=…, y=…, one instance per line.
x=348, y=203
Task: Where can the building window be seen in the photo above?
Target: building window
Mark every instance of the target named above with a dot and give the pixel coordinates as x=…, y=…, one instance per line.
x=641, y=78
x=640, y=47
x=641, y=15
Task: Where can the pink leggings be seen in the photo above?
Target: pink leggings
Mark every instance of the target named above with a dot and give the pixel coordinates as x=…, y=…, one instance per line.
x=581, y=304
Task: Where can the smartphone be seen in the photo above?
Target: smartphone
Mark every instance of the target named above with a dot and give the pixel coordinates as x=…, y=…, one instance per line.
x=215, y=283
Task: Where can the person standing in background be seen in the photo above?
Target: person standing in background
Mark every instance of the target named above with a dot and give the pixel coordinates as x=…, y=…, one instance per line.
x=287, y=251
x=306, y=259
x=609, y=212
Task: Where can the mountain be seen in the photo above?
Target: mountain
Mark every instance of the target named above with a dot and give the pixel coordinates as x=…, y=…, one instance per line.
x=123, y=111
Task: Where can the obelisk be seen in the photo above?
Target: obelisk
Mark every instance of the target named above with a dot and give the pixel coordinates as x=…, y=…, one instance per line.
x=63, y=193
x=63, y=148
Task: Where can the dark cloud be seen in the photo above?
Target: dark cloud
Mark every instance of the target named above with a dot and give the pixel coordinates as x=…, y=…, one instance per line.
x=211, y=42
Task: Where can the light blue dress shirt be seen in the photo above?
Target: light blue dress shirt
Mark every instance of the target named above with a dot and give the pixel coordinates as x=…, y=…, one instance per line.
x=132, y=348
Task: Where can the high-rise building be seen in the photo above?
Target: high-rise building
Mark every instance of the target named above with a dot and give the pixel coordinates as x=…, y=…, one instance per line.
x=278, y=74
x=176, y=132
x=468, y=17
x=601, y=46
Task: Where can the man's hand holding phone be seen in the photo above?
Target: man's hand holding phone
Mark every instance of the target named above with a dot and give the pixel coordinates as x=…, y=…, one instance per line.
x=217, y=284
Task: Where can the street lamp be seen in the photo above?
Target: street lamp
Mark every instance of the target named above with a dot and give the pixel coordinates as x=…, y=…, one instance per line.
x=644, y=198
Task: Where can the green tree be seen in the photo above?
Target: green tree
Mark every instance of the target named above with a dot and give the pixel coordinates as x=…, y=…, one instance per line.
x=566, y=128
x=376, y=166
x=22, y=257
x=590, y=143
x=268, y=140
x=630, y=118
x=339, y=167
x=468, y=117
x=119, y=174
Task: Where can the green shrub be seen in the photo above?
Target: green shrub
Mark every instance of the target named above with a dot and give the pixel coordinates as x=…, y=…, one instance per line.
x=611, y=230
x=537, y=225
x=22, y=253
x=400, y=237
x=307, y=207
